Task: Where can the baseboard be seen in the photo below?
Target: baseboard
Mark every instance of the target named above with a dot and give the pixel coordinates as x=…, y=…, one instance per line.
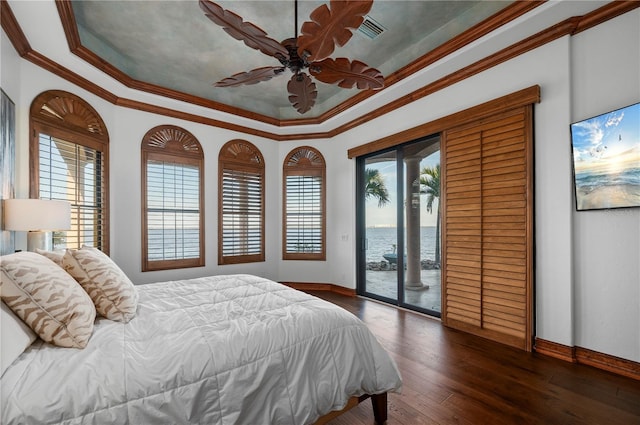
x=329, y=287
x=553, y=349
x=613, y=364
x=580, y=355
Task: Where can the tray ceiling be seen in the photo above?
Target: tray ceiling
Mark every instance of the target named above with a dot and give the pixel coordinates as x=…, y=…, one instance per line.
x=172, y=45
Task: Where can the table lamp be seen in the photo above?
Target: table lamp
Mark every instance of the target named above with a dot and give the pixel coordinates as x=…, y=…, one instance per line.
x=38, y=217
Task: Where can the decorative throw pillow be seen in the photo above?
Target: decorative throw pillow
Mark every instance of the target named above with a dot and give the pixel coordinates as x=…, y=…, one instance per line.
x=16, y=337
x=47, y=299
x=110, y=289
x=55, y=256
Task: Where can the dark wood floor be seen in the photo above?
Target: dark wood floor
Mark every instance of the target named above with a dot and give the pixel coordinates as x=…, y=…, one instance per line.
x=454, y=378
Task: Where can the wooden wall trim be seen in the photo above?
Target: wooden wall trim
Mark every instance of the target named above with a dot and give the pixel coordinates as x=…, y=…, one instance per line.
x=603, y=14
x=326, y=287
x=580, y=355
x=614, y=364
x=513, y=100
x=553, y=349
x=174, y=113
x=499, y=19
x=483, y=28
x=568, y=27
x=12, y=28
x=67, y=17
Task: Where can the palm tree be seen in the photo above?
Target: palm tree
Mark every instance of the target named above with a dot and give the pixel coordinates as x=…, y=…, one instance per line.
x=375, y=187
x=430, y=186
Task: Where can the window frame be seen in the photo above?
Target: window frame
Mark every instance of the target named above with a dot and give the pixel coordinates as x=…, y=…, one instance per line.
x=304, y=161
x=240, y=156
x=175, y=145
x=63, y=115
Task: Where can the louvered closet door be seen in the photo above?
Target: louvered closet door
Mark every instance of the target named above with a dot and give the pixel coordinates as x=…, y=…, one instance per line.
x=487, y=227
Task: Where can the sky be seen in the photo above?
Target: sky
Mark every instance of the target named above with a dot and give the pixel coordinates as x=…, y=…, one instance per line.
x=608, y=142
x=385, y=216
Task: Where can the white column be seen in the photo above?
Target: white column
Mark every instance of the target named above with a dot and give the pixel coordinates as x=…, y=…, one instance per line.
x=412, y=224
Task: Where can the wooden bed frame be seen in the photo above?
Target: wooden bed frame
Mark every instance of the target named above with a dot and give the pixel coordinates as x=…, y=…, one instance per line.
x=378, y=401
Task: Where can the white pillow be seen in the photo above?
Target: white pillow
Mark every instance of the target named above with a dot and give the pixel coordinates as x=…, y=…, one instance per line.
x=47, y=299
x=55, y=256
x=114, y=295
x=15, y=335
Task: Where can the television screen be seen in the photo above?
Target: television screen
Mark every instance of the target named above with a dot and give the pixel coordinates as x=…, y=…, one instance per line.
x=606, y=160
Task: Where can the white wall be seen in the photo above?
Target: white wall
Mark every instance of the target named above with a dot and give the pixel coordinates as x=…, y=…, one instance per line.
x=548, y=67
x=606, y=76
x=11, y=82
x=587, y=275
x=24, y=81
x=126, y=135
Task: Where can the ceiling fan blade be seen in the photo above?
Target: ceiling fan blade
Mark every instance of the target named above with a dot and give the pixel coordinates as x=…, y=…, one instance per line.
x=328, y=27
x=252, y=35
x=302, y=92
x=347, y=74
x=251, y=77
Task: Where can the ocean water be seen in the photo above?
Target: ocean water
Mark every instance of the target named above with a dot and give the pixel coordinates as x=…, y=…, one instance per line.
x=379, y=242
x=171, y=244
x=590, y=180
x=381, y=239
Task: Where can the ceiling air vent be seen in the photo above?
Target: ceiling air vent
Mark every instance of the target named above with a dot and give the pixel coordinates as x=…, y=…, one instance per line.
x=371, y=28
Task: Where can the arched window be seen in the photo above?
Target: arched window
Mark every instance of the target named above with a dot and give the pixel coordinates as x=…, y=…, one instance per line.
x=240, y=203
x=69, y=160
x=304, y=206
x=172, y=199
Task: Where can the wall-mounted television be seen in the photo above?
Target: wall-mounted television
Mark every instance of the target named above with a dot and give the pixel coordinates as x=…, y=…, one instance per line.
x=606, y=160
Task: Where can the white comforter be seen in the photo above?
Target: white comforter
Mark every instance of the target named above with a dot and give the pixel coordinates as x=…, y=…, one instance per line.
x=235, y=349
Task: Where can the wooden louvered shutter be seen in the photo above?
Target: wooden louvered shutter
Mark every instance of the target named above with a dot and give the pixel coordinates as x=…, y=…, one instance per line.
x=69, y=160
x=304, y=208
x=172, y=200
x=487, y=227
x=240, y=203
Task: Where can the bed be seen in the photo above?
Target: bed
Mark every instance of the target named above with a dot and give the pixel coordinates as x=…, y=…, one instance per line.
x=234, y=349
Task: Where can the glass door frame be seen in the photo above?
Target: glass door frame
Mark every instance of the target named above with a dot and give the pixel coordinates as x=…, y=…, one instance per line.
x=361, y=242
x=361, y=254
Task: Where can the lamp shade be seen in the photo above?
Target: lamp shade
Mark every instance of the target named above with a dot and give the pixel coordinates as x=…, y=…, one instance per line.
x=36, y=215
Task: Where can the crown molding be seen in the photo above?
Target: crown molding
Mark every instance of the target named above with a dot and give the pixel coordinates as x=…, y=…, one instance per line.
x=12, y=29
x=509, y=13
x=569, y=26
x=522, y=97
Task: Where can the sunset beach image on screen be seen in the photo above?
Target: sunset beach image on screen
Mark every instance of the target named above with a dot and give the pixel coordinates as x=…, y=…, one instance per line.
x=606, y=159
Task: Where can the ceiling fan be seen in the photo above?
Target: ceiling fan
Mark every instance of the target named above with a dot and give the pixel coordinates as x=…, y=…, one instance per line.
x=329, y=26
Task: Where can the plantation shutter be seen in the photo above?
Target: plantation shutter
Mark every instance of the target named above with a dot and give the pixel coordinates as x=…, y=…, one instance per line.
x=304, y=205
x=303, y=214
x=241, y=203
x=69, y=161
x=487, y=227
x=172, y=201
x=241, y=213
x=73, y=173
x=173, y=211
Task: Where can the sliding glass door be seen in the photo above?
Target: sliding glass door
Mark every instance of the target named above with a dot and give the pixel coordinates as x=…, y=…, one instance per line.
x=380, y=235
x=398, y=225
